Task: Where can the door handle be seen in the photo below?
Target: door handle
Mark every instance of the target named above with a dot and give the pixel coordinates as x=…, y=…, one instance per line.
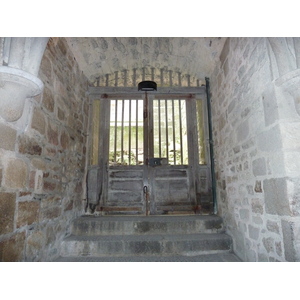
x=145, y=189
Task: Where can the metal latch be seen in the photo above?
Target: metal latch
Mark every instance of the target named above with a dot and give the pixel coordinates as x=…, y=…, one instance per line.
x=145, y=189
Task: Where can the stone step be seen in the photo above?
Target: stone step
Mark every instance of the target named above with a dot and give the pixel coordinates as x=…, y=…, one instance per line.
x=149, y=245
x=224, y=256
x=141, y=225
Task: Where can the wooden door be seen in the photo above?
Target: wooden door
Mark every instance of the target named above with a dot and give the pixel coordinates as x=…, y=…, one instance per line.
x=149, y=154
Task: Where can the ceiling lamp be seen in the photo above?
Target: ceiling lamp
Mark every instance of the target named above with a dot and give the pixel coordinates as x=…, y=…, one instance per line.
x=147, y=86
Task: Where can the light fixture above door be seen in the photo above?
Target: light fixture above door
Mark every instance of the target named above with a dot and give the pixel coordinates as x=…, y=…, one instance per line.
x=147, y=86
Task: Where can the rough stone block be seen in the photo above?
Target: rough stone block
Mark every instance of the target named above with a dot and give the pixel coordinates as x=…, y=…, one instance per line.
x=276, y=196
x=243, y=131
x=268, y=244
x=35, y=242
x=51, y=152
x=241, y=71
x=257, y=206
x=293, y=185
x=253, y=232
x=69, y=205
x=46, y=67
x=257, y=220
x=270, y=106
x=7, y=212
x=48, y=100
x=236, y=149
x=28, y=213
x=258, y=188
x=226, y=67
x=292, y=163
x=225, y=51
x=50, y=208
x=38, y=182
x=49, y=186
x=272, y=226
x=245, y=112
x=278, y=248
x=86, y=109
x=291, y=239
x=248, y=144
x=52, y=134
x=259, y=167
x=276, y=163
x=29, y=146
x=12, y=250
x=270, y=140
x=38, y=121
x=38, y=163
x=244, y=214
x=32, y=179
x=222, y=122
x=60, y=114
x=16, y=174
x=251, y=255
x=7, y=137
x=262, y=257
x=62, y=47
x=64, y=140
x=290, y=135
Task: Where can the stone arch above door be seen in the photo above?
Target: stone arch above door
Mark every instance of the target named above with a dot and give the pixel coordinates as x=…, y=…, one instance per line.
x=164, y=77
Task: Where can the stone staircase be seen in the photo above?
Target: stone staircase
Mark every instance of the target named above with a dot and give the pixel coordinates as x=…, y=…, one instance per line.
x=147, y=239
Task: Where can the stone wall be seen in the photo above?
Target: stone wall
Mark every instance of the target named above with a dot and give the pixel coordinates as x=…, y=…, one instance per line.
x=257, y=141
x=42, y=161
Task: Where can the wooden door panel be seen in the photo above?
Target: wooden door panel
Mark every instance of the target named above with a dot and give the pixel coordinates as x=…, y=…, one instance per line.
x=169, y=190
x=125, y=190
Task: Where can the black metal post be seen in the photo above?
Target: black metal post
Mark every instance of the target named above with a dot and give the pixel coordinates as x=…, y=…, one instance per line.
x=211, y=148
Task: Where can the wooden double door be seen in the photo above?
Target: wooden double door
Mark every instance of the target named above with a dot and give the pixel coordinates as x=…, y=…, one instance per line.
x=152, y=154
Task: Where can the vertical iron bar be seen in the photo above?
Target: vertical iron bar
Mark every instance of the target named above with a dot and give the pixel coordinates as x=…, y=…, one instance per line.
x=212, y=159
x=167, y=131
x=129, y=135
x=134, y=77
x=170, y=78
x=180, y=126
x=146, y=128
x=125, y=78
x=159, y=127
x=116, y=78
x=143, y=74
x=122, y=133
x=116, y=127
x=173, y=124
x=107, y=80
x=136, y=130
x=179, y=78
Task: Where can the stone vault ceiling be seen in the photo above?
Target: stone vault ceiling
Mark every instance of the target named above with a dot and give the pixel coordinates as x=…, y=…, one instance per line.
x=98, y=56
